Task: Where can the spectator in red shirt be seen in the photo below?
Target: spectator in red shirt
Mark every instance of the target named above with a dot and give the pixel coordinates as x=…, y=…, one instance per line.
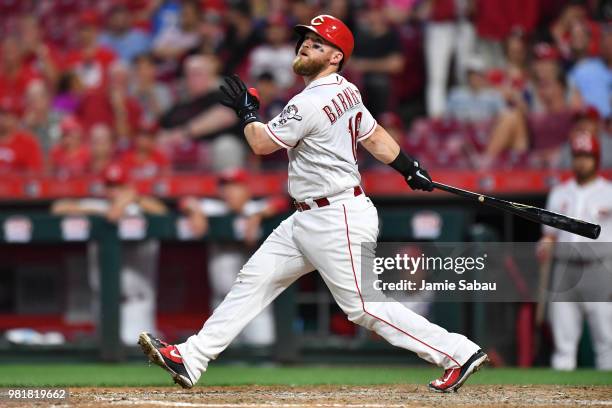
x=70, y=157
x=102, y=148
x=20, y=152
x=144, y=160
x=14, y=75
x=112, y=106
x=39, y=56
x=90, y=61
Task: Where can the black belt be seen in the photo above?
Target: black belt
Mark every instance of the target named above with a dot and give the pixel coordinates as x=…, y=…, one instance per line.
x=322, y=202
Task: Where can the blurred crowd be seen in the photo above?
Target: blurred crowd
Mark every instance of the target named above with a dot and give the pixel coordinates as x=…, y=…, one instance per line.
x=462, y=84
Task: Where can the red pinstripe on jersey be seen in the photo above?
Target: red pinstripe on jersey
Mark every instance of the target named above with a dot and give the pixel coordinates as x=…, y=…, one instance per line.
x=368, y=133
x=348, y=239
x=278, y=139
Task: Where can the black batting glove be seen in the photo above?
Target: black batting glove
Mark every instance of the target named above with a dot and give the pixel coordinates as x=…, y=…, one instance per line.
x=245, y=102
x=416, y=176
x=420, y=180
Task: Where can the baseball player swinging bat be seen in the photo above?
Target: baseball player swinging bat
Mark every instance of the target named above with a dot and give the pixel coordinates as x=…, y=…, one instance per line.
x=535, y=214
x=320, y=128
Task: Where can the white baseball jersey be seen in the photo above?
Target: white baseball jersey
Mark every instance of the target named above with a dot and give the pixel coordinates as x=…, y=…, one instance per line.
x=591, y=202
x=320, y=128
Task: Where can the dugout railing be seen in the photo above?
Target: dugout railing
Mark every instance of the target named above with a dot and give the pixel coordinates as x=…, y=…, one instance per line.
x=35, y=229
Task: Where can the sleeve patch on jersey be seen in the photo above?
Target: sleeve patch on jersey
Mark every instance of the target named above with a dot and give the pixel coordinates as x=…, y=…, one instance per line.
x=290, y=112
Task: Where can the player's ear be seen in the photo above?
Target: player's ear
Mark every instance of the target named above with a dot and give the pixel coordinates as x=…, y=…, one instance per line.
x=336, y=58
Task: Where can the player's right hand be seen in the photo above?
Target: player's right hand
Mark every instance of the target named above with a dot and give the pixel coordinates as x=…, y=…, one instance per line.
x=245, y=102
x=419, y=179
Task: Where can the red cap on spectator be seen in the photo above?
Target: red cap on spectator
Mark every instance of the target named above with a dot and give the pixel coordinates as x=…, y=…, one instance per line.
x=588, y=112
x=89, y=18
x=115, y=174
x=546, y=51
x=238, y=175
x=69, y=124
x=585, y=142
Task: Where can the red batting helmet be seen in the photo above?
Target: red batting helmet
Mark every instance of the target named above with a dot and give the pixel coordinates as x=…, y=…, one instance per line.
x=585, y=142
x=331, y=30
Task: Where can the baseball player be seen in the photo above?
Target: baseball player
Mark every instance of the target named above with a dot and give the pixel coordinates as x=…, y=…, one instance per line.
x=320, y=128
x=225, y=259
x=586, y=196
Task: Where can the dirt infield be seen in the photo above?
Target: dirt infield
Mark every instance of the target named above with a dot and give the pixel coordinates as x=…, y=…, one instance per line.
x=339, y=396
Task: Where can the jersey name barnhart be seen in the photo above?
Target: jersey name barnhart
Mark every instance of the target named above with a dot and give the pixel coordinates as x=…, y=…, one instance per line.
x=342, y=102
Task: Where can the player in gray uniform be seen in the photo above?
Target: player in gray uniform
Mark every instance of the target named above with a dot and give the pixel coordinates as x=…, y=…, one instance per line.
x=320, y=128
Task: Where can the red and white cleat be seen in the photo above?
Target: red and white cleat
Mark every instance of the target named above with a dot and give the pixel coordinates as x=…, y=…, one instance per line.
x=167, y=357
x=453, y=378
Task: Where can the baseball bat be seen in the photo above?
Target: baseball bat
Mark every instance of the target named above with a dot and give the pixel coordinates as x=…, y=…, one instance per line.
x=535, y=214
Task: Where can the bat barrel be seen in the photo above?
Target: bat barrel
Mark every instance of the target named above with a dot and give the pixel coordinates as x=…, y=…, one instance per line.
x=588, y=230
x=539, y=215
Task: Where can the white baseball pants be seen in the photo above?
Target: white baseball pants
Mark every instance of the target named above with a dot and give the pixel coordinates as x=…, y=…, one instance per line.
x=326, y=239
x=566, y=321
x=592, y=282
x=223, y=267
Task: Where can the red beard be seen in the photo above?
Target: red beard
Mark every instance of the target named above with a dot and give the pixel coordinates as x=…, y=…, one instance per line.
x=307, y=67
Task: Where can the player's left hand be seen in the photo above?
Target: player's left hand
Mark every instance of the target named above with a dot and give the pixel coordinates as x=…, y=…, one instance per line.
x=245, y=102
x=419, y=179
